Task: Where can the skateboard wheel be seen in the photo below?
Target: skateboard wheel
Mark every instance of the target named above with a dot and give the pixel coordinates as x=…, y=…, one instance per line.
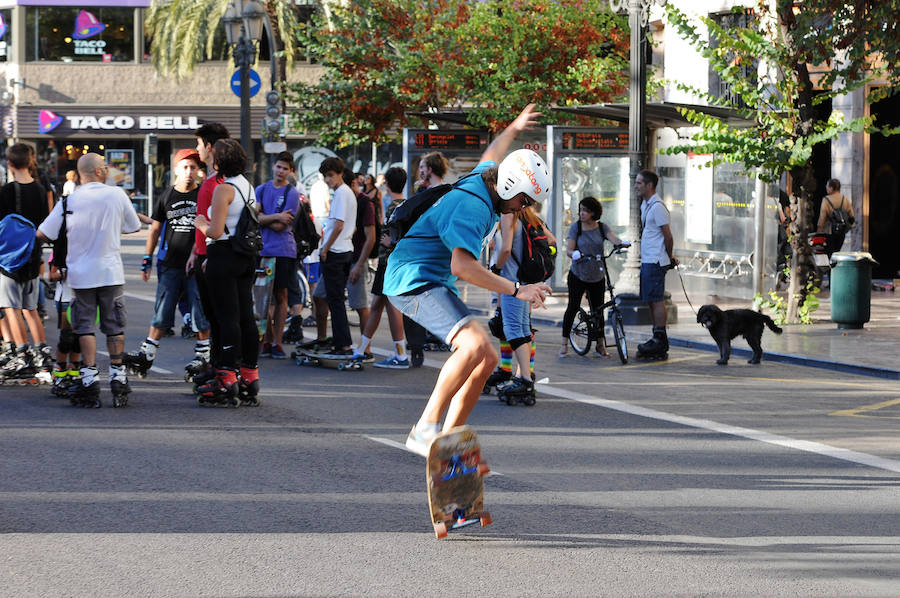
x=440, y=530
x=484, y=468
x=511, y=400
x=340, y=367
x=486, y=519
x=530, y=401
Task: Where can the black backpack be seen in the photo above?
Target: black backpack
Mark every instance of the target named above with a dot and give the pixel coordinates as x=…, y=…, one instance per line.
x=406, y=214
x=61, y=244
x=305, y=234
x=246, y=239
x=538, y=256
x=840, y=219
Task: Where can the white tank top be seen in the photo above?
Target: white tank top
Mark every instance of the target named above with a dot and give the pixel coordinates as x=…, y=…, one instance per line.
x=243, y=188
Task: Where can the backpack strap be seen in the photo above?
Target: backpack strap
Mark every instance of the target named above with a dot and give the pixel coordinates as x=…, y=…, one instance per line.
x=251, y=210
x=18, y=188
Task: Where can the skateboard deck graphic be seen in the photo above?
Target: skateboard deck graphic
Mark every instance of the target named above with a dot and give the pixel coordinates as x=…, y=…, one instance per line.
x=262, y=293
x=455, y=480
x=306, y=357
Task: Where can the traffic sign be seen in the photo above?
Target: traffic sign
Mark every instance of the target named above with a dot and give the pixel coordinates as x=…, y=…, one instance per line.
x=255, y=83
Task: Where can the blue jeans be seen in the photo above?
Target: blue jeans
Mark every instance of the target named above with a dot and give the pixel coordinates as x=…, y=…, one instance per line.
x=516, y=320
x=437, y=309
x=171, y=281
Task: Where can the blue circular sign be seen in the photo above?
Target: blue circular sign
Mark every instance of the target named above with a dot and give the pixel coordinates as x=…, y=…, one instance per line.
x=255, y=83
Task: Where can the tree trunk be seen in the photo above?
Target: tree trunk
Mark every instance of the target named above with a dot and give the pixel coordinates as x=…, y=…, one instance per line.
x=803, y=187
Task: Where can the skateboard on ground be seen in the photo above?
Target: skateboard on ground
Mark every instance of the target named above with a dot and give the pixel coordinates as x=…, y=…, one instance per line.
x=307, y=357
x=455, y=480
x=262, y=293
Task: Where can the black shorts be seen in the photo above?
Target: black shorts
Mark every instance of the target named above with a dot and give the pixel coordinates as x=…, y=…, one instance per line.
x=378, y=281
x=286, y=274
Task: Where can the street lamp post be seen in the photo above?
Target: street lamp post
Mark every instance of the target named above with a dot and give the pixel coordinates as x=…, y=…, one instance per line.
x=638, y=18
x=243, y=25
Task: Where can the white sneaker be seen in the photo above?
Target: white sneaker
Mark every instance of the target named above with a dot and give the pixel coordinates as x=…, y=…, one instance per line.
x=418, y=441
x=393, y=363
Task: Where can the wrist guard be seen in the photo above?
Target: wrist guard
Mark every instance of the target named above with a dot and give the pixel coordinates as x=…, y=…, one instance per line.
x=147, y=263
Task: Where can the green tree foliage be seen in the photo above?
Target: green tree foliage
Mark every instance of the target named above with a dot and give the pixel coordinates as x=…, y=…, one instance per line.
x=382, y=58
x=182, y=32
x=810, y=52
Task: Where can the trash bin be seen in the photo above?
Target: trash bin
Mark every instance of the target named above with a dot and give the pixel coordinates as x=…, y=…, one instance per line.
x=851, y=288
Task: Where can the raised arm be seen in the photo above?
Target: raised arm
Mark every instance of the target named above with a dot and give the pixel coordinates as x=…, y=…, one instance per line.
x=526, y=120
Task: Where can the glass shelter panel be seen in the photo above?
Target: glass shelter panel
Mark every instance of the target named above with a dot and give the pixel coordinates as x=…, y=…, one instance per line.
x=587, y=163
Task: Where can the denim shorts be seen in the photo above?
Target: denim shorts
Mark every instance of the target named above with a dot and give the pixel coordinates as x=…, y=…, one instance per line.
x=171, y=282
x=516, y=320
x=437, y=309
x=653, y=282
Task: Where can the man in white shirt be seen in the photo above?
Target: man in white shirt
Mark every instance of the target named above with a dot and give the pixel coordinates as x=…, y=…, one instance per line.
x=336, y=254
x=97, y=215
x=657, y=258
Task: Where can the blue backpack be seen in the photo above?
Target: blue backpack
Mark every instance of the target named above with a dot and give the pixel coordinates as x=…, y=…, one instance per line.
x=16, y=240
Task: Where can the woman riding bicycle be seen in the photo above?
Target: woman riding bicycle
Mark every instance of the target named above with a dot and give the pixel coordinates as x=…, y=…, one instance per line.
x=583, y=244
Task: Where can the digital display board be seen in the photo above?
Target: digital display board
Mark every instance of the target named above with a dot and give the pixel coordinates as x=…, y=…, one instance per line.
x=447, y=140
x=594, y=140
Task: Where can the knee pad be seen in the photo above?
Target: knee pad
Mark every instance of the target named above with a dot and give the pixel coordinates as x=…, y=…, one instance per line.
x=515, y=343
x=68, y=342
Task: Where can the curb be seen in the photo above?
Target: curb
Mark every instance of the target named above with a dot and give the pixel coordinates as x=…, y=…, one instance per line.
x=788, y=358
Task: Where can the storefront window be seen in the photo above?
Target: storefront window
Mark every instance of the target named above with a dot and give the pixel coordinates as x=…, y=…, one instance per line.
x=71, y=34
x=5, y=34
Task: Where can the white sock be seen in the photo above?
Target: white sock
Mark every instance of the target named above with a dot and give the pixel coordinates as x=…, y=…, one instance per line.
x=364, y=343
x=400, y=349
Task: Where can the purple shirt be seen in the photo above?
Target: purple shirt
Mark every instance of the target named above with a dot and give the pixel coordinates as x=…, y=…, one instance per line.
x=274, y=200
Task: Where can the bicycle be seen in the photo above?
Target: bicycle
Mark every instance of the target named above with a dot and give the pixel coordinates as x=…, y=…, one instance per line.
x=589, y=327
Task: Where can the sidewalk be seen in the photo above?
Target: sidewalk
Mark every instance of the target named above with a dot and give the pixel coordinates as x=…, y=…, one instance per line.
x=872, y=351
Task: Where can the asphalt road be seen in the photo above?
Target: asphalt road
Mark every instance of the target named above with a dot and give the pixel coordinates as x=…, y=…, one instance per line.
x=679, y=478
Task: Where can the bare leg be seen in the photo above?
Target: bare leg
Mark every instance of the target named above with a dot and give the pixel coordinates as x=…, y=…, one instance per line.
x=658, y=313
x=276, y=324
x=321, y=317
x=35, y=325
x=116, y=346
x=462, y=378
x=88, y=344
x=16, y=325
x=523, y=360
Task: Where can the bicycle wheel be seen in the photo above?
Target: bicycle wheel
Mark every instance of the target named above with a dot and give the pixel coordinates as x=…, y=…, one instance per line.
x=305, y=297
x=580, y=336
x=619, y=333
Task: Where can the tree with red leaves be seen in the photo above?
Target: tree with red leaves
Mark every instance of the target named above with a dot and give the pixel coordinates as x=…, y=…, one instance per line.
x=384, y=58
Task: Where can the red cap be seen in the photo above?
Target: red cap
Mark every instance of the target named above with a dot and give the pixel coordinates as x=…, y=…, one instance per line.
x=188, y=154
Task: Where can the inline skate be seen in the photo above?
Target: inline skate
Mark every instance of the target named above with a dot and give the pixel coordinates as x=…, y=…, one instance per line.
x=517, y=390
x=87, y=392
x=222, y=390
x=200, y=362
x=118, y=385
x=139, y=362
x=21, y=371
x=293, y=330
x=655, y=349
x=248, y=387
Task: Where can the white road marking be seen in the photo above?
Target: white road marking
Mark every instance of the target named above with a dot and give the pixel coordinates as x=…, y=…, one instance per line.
x=139, y=296
x=706, y=424
x=153, y=368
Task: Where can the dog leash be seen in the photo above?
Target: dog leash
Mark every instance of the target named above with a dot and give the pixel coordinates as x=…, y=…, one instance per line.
x=681, y=278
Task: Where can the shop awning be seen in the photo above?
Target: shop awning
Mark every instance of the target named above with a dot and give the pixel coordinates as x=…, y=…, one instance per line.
x=659, y=115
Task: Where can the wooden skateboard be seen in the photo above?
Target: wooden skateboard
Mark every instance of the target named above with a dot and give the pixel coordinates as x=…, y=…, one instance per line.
x=455, y=480
x=262, y=293
x=306, y=357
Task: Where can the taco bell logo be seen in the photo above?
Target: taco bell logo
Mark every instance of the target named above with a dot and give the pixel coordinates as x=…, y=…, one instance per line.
x=87, y=25
x=47, y=121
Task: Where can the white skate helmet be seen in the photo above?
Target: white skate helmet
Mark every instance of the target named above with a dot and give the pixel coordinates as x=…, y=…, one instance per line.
x=523, y=171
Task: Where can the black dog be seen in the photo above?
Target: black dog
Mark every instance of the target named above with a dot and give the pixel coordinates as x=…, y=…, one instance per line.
x=726, y=325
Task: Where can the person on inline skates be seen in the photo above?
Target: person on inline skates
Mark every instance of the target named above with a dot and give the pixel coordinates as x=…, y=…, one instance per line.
x=443, y=245
x=230, y=273
x=173, y=221
x=97, y=215
x=19, y=290
x=657, y=258
x=516, y=314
